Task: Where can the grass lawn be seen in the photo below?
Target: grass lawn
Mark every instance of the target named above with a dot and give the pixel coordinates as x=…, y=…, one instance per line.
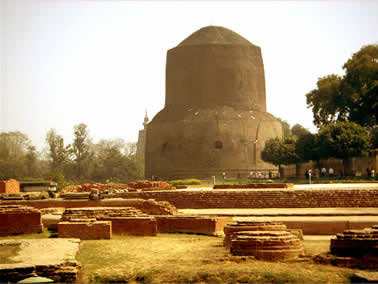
x=183, y=258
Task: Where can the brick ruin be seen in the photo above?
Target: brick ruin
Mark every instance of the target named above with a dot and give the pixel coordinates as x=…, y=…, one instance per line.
x=9, y=186
x=85, y=229
x=266, y=240
x=212, y=226
x=354, y=249
x=267, y=245
x=124, y=220
x=240, y=226
x=253, y=185
x=17, y=219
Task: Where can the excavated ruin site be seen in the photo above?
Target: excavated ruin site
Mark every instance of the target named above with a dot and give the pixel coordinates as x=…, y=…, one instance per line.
x=214, y=120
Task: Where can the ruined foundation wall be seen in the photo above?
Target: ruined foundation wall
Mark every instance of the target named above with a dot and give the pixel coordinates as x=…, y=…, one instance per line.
x=275, y=198
x=16, y=220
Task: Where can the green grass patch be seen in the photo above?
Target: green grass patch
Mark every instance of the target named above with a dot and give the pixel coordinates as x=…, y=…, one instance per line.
x=191, y=181
x=182, y=258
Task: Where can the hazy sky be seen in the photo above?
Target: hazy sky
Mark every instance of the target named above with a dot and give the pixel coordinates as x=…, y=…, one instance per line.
x=103, y=62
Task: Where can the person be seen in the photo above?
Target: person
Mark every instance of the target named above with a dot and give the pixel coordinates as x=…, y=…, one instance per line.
x=330, y=172
x=324, y=172
x=306, y=174
x=372, y=172
x=368, y=171
x=224, y=175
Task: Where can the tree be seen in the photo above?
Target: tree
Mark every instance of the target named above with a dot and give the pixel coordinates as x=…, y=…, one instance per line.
x=361, y=85
x=299, y=131
x=352, y=97
x=58, y=153
x=31, y=159
x=343, y=140
x=326, y=101
x=13, y=147
x=280, y=152
x=81, y=148
x=285, y=128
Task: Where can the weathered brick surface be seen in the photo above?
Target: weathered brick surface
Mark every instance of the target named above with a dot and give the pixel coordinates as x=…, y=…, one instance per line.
x=255, y=198
x=9, y=186
x=15, y=219
x=356, y=242
x=212, y=226
x=238, y=226
x=125, y=220
x=143, y=226
x=85, y=230
x=150, y=206
x=267, y=245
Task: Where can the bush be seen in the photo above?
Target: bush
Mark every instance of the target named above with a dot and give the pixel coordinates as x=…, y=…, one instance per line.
x=185, y=182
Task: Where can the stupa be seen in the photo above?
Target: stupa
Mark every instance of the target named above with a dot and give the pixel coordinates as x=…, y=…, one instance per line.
x=215, y=119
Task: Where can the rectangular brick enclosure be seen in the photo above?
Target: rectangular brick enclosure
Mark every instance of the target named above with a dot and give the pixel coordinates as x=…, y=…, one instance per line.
x=85, y=230
x=212, y=226
x=9, y=186
x=143, y=226
x=16, y=219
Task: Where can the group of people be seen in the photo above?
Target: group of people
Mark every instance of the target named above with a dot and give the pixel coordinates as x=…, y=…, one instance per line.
x=370, y=172
x=323, y=172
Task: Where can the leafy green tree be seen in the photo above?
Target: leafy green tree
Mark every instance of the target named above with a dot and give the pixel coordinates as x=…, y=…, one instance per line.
x=13, y=148
x=81, y=149
x=58, y=153
x=299, y=131
x=327, y=102
x=285, y=128
x=280, y=152
x=343, y=140
x=31, y=160
x=360, y=85
x=352, y=97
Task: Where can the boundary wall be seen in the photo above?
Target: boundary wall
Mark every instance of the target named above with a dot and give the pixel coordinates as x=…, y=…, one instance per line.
x=253, y=198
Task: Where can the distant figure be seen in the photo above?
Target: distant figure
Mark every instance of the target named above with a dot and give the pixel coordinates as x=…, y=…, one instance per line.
x=306, y=174
x=224, y=175
x=372, y=172
x=270, y=174
x=250, y=174
x=330, y=172
x=324, y=172
x=368, y=172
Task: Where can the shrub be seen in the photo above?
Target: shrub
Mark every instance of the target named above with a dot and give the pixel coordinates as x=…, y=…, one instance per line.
x=185, y=182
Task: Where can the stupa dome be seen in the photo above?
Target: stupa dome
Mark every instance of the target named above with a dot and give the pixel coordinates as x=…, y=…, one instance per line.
x=214, y=35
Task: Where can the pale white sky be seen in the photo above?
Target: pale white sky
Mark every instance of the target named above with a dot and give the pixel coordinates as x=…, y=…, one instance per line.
x=103, y=62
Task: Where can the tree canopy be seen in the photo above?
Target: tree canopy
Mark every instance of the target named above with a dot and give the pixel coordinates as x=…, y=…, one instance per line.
x=343, y=140
x=280, y=152
x=352, y=97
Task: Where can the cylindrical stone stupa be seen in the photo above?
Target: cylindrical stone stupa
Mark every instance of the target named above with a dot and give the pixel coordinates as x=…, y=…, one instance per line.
x=214, y=120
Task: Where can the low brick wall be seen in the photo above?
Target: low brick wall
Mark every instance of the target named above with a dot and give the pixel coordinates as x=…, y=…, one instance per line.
x=140, y=226
x=212, y=226
x=275, y=198
x=16, y=220
x=202, y=199
x=150, y=207
x=254, y=185
x=85, y=230
x=9, y=186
